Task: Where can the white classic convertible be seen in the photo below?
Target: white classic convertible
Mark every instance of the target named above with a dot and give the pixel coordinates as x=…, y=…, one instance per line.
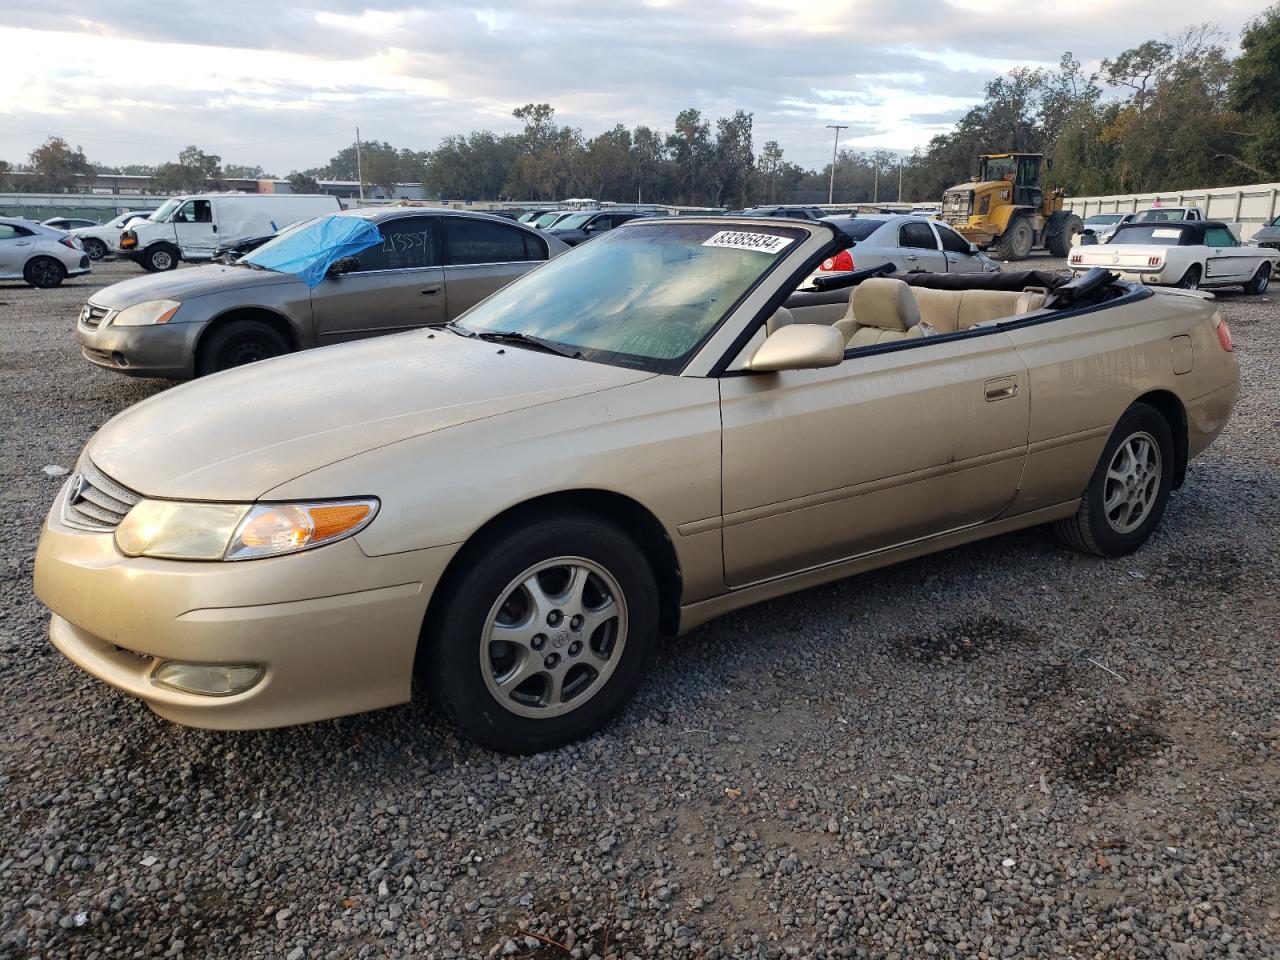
x=1188, y=254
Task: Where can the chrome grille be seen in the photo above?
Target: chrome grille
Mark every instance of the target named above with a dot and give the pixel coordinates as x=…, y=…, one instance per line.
x=96, y=502
x=92, y=315
x=957, y=205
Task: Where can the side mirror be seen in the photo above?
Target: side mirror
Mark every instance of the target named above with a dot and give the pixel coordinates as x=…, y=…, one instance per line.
x=343, y=265
x=589, y=228
x=799, y=346
x=973, y=248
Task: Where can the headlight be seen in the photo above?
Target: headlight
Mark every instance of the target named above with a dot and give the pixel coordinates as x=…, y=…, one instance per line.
x=145, y=314
x=172, y=530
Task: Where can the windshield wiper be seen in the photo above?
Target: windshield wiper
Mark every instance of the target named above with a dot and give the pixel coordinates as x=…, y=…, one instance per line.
x=519, y=339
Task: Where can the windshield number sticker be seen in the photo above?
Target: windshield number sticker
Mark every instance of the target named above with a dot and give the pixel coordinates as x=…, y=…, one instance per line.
x=1166, y=234
x=741, y=240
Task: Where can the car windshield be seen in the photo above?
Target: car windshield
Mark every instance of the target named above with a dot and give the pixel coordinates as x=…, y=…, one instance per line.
x=573, y=222
x=1156, y=234
x=166, y=208
x=1159, y=216
x=856, y=229
x=644, y=296
x=1103, y=218
x=547, y=218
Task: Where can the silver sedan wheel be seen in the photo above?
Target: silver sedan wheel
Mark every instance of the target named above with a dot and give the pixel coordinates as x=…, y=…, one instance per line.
x=1132, y=483
x=554, y=637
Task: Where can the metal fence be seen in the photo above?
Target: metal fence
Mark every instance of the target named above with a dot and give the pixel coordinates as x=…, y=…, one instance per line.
x=1250, y=206
x=101, y=207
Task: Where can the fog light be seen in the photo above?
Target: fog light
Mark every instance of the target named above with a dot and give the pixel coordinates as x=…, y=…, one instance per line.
x=208, y=679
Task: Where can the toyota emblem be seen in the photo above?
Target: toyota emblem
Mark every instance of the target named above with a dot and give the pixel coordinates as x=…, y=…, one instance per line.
x=75, y=489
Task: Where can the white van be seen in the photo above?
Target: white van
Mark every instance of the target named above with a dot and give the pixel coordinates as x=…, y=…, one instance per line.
x=193, y=227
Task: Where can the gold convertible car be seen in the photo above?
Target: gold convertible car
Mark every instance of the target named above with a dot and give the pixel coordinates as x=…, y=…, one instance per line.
x=644, y=433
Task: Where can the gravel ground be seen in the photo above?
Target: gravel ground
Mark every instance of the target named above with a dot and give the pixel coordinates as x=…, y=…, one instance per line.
x=1005, y=750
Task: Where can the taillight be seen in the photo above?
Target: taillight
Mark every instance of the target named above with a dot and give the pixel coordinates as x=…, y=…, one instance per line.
x=1224, y=334
x=1154, y=260
x=67, y=242
x=1077, y=258
x=840, y=263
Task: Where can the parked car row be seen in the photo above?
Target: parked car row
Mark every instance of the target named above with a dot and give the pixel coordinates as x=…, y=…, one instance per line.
x=570, y=459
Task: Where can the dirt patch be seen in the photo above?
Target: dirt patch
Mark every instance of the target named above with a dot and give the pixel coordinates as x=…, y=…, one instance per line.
x=1103, y=753
x=965, y=639
x=1216, y=570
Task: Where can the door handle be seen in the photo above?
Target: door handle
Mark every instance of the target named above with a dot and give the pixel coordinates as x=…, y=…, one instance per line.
x=912, y=256
x=1001, y=389
x=429, y=291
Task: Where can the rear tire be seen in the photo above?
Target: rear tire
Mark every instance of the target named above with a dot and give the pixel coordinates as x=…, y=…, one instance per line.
x=1127, y=494
x=1261, y=280
x=572, y=660
x=44, y=272
x=94, y=248
x=1061, y=229
x=1191, y=279
x=238, y=343
x=161, y=257
x=1015, y=243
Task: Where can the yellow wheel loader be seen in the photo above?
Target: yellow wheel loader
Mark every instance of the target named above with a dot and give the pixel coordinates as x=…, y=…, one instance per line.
x=1005, y=210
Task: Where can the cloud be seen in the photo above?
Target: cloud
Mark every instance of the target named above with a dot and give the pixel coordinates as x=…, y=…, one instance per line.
x=285, y=85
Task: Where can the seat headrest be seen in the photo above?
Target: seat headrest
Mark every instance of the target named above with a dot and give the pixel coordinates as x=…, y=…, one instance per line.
x=884, y=302
x=782, y=317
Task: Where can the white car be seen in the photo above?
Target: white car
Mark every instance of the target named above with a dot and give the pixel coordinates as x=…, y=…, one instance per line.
x=194, y=227
x=1099, y=227
x=40, y=255
x=101, y=238
x=67, y=224
x=911, y=243
x=1183, y=253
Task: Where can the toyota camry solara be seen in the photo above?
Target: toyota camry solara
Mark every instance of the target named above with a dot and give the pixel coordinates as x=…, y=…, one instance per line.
x=636, y=437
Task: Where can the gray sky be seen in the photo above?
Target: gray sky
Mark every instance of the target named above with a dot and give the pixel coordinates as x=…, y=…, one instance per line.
x=284, y=85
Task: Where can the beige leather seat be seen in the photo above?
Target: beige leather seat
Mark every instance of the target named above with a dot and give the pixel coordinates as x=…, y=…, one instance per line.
x=881, y=310
x=947, y=311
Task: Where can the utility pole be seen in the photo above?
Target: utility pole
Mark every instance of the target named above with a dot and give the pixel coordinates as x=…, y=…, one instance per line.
x=875, y=196
x=359, y=166
x=831, y=188
x=899, y=179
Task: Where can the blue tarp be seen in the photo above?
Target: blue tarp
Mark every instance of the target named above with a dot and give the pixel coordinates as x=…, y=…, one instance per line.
x=311, y=250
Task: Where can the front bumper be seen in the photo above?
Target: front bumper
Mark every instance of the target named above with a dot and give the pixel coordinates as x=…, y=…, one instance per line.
x=336, y=631
x=159, y=350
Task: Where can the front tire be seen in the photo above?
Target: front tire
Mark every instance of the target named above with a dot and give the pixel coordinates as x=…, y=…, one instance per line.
x=1129, y=489
x=1015, y=243
x=44, y=272
x=160, y=258
x=545, y=633
x=1062, y=228
x=238, y=343
x=1261, y=280
x=94, y=248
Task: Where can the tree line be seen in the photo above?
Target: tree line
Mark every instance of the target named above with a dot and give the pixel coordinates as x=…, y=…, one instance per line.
x=1169, y=113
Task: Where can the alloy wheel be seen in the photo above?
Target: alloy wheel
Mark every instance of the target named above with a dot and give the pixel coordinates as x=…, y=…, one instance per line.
x=554, y=637
x=1133, y=483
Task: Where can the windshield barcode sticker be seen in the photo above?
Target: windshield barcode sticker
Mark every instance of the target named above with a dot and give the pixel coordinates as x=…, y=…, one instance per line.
x=741, y=240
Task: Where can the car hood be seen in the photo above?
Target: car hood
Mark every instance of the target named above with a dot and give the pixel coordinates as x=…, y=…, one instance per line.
x=1268, y=233
x=235, y=435
x=185, y=284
